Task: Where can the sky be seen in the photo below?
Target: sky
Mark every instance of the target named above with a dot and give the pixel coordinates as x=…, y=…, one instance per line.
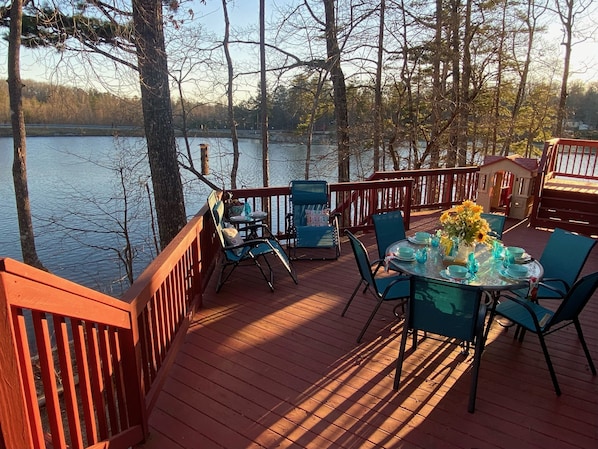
x=244, y=13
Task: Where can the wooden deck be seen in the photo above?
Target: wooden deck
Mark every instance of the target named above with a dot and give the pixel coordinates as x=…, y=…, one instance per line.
x=282, y=370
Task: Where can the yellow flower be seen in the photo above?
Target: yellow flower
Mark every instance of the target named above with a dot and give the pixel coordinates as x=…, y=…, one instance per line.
x=465, y=222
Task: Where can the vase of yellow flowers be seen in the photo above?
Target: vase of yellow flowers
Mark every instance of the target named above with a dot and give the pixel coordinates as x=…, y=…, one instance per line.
x=464, y=227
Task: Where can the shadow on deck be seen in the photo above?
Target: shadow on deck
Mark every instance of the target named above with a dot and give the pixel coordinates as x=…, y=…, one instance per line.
x=282, y=369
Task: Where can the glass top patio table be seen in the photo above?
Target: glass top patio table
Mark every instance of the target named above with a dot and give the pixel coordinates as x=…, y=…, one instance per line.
x=491, y=274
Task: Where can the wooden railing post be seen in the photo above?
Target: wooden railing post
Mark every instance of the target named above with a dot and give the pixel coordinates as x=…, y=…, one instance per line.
x=13, y=409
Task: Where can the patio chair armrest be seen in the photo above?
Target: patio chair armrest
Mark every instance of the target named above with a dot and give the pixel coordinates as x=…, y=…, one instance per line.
x=255, y=227
x=565, y=284
x=399, y=278
x=525, y=304
x=247, y=243
x=512, y=296
x=376, y=262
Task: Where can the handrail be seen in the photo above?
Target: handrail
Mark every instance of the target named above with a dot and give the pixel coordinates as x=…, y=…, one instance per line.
x=166, y=294
x=354, y=201
x=104, y=360
x=83, y=335
x=571, y=158
x=438, y=187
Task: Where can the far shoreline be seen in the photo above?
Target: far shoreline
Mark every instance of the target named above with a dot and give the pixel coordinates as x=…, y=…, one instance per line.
x=56, y=130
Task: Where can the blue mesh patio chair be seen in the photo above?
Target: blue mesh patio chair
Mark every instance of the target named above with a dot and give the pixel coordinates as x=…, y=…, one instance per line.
x=563, y=259
x=448, y=309
x=310, y=225
x=384, y=288
x=389, y=228
x=496, y=223
x=531, y=316
x=237, y=251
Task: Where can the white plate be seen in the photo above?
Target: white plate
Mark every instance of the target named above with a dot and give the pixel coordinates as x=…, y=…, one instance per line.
x=258, y=214
x=445, y=275
x=405, y=259
x=503, y=272
x=523, y=259
x=418, y=242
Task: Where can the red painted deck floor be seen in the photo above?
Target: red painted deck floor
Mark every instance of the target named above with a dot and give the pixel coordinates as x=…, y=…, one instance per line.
x=282, y=370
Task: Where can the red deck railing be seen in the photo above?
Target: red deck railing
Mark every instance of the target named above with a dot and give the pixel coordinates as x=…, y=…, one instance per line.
x=82, y=369
x=355, y=201
x=570, y=158
x=438, y=188
x=566, y=188
x=407, y=190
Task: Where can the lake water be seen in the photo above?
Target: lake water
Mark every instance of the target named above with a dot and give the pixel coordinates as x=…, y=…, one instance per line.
x=75, y=193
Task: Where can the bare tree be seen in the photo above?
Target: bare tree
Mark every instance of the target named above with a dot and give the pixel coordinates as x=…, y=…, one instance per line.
x=19, y=166
x=570, y=12
x=157, y=113
x=264, y=96
x=378, y=89
x=339, y=92
x=230, y=100
x=106, y=28
x=529, y=21
x=437, y=91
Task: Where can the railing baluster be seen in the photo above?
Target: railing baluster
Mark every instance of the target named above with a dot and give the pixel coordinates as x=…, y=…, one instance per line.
x=121, y=347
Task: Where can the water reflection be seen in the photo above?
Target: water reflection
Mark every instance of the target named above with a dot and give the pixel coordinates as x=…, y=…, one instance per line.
x=76, y=197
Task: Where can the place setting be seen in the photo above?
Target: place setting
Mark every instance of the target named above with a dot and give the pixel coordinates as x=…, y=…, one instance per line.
x=457, y=273
x=518, y=254
x=514, y=254
x=404, y=254
x=420, y=238
x=515, y=272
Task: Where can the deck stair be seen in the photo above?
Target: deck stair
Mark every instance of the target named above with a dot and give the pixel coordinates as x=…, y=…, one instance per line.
x=567, y=187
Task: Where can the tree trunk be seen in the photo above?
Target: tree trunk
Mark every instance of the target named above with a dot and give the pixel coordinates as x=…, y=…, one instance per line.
x=19, y=166
x=530, y=21
x=466, y=97
x=566, y=18
x=378, y=91
x=339, y=93
x=433, y=146
x=312, y=119
x=264, y=96
x=157, y=119
x=229, y=90
x=498, y=89
x=455, y=106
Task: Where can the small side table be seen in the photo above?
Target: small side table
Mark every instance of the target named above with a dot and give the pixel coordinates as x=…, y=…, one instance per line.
x=250, y=223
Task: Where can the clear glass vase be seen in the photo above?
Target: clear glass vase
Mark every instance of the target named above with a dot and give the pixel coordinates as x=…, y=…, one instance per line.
x=463, y=251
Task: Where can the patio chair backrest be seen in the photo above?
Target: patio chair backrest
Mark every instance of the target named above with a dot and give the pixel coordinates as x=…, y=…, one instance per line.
x=496, y=223
x=307, y=194
x=389, y=227
x=576, y=299
x=565, y=254
x=362, y=259
x=445, y=308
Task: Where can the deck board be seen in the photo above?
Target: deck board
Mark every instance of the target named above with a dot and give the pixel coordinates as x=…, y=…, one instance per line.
x=281, y=370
